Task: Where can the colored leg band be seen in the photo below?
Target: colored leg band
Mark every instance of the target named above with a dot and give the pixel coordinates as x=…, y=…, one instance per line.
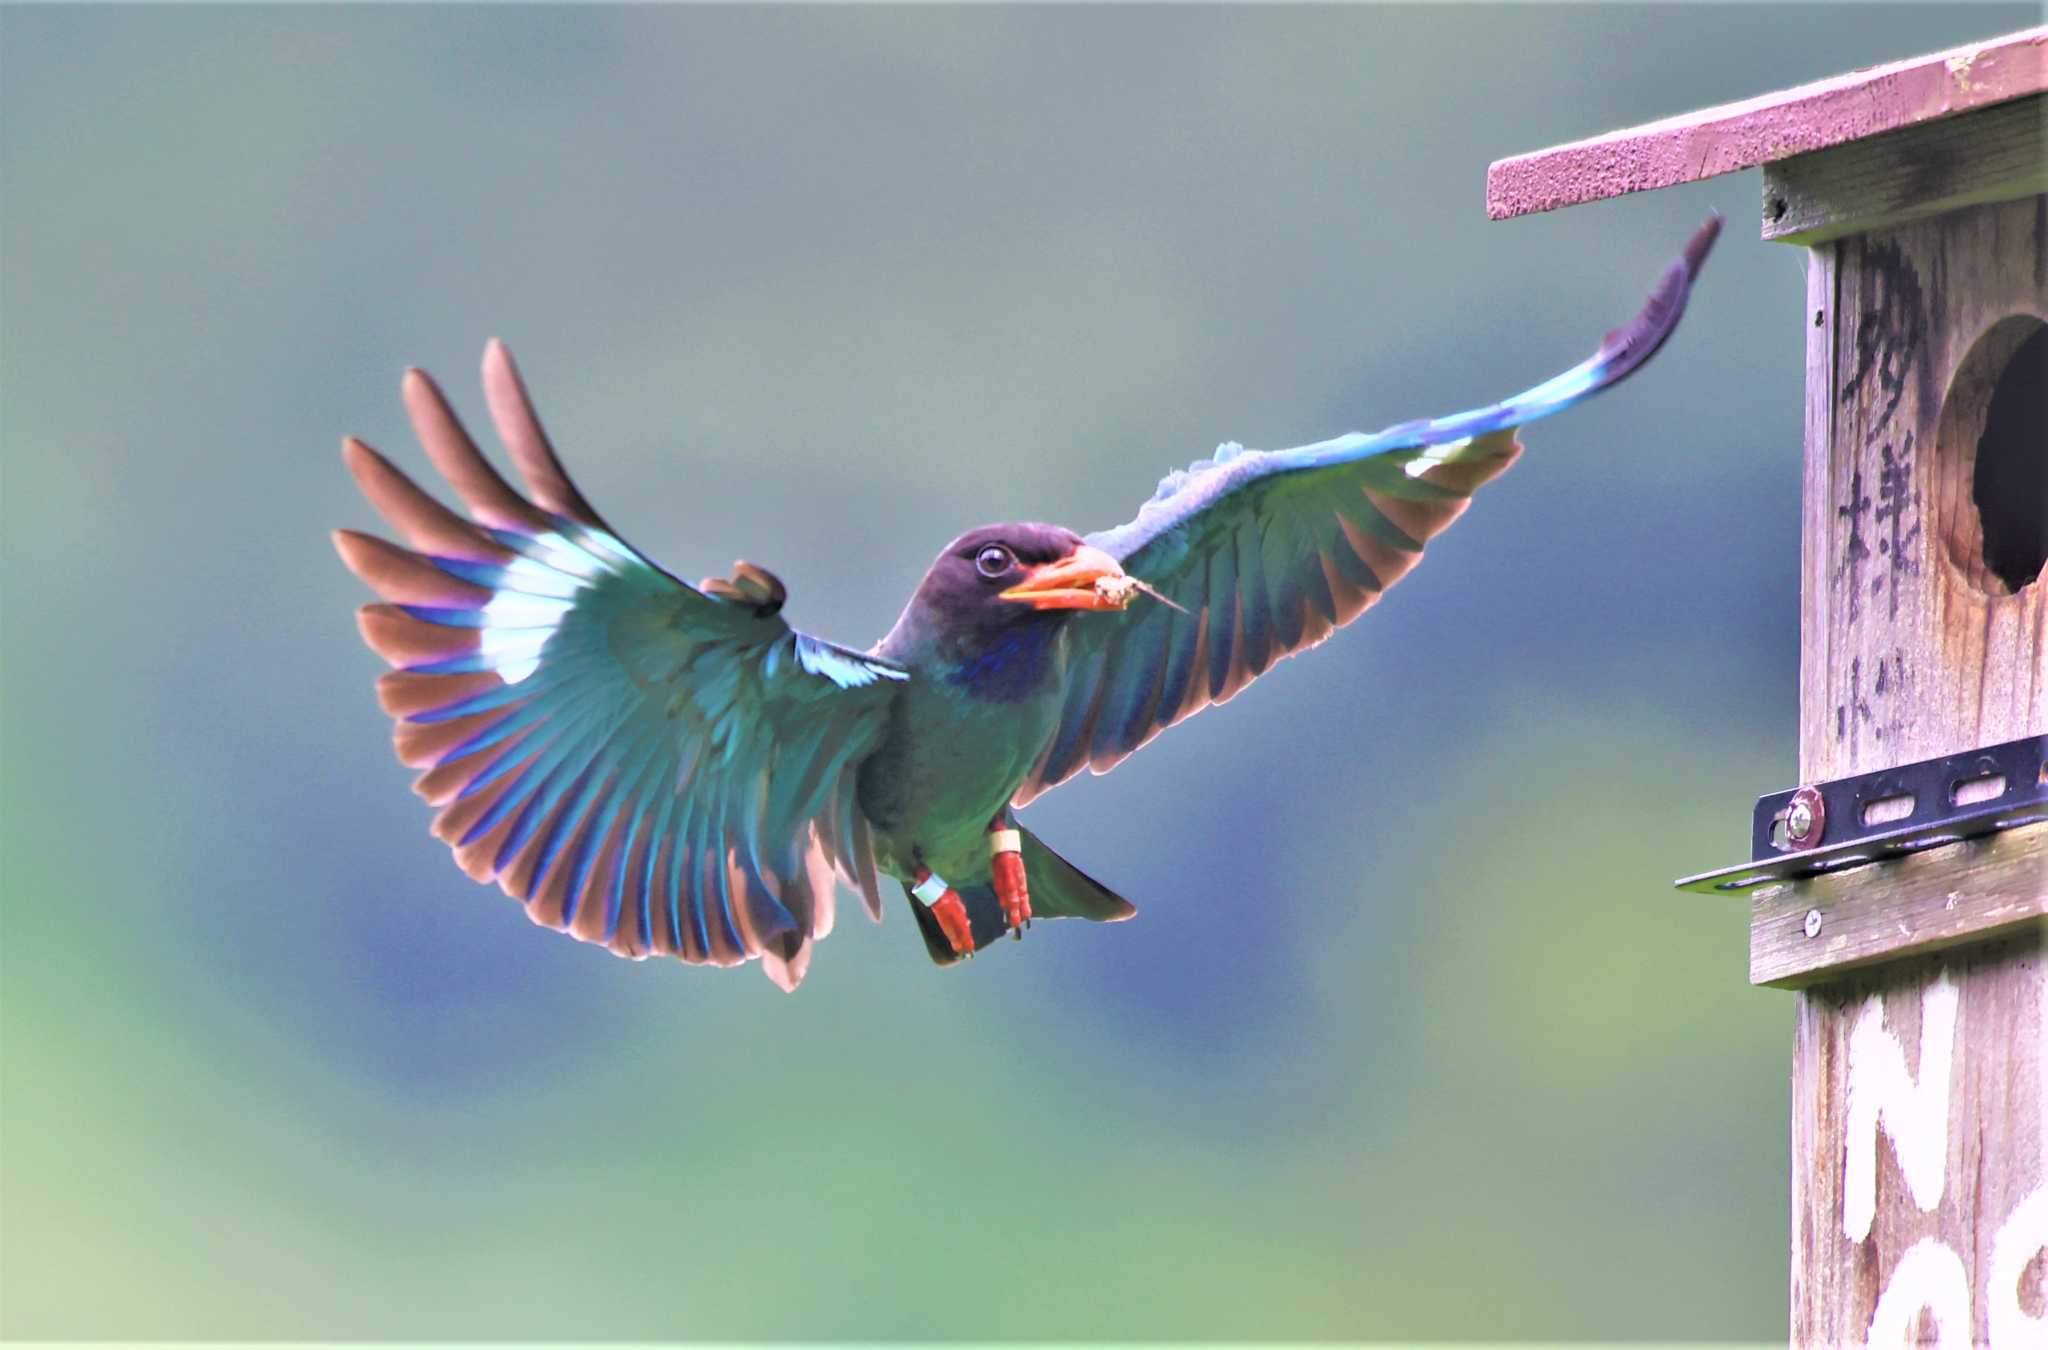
x=932, y=889
x=1006, y=873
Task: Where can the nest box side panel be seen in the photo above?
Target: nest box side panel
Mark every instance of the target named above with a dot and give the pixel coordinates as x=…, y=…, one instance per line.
x=1918, y=1149
x=1919, y=1114
x=1923, y=602
x=1910, y=649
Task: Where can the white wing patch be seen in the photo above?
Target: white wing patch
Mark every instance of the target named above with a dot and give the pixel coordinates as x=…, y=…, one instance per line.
x=534, y=592
x=1433, y=455
x=842, y=668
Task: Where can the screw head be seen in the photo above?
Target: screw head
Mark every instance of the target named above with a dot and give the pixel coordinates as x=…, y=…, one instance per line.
x=1806, y=818
x=1813, y=923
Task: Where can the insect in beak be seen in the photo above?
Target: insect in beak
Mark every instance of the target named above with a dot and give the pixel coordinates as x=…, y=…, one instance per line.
x=1087, y=579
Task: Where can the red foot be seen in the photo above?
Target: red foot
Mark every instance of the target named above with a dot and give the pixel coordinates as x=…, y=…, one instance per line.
x=951, y=913
x=952, y=917
x=1006, y=870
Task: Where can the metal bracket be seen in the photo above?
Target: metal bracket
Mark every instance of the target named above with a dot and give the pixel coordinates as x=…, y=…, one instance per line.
x=1850, y=822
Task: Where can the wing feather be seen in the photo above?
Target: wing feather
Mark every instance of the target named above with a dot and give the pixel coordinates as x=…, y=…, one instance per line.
x=525, y=440
x=647, y=766
x=1270, y=552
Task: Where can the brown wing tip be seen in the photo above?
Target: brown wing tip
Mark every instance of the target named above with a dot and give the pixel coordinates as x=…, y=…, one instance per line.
x=786, y=968
x=404, y=641
x=356, y=550
x=503, y=388
x=363, y=462
x=755, y=587
x=420, y=392
x=1702, y=243
x=356, y=543
x=371, y=622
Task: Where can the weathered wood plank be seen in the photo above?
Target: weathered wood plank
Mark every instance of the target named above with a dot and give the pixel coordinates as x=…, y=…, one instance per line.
x=1816, y=564
x=1905, y=653
x=1920, y=1136
x=1772, y=127
x=1918, y=1196
x=1917, y=904
x=1993, y=156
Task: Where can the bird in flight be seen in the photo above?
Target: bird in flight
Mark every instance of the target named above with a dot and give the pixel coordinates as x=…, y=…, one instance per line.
x=672, y=770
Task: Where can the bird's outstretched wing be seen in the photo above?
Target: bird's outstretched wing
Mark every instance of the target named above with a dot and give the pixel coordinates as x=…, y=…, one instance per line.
x=660, y=768
x=1268, y=552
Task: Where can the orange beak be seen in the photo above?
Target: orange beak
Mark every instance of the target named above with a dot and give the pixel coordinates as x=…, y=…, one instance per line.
x=1087, y=578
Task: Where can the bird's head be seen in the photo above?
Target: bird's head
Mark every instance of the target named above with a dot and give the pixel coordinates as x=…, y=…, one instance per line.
x=1002, y=582
x=999, y=574
x=1006, y=589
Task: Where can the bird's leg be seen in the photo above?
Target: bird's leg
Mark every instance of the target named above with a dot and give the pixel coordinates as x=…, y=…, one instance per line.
x=931, y=890
x=1006, y=870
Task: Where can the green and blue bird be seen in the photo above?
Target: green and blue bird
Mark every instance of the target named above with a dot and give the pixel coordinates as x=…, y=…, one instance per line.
x=672, y=770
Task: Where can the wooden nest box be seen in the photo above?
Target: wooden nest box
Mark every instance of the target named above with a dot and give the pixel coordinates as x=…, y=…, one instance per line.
x=1919, y=1136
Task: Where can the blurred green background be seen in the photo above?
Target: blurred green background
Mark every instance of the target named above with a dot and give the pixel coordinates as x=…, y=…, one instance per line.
x=1412, y=1037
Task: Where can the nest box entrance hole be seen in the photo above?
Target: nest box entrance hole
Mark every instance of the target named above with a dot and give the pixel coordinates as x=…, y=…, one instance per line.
x=1993, y=444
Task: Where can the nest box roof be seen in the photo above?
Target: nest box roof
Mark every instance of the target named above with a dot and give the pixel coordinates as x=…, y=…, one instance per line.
x=1755, y=131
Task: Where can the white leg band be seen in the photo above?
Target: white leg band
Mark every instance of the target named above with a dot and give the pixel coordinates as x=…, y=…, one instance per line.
x=931, y=890
x=1005, y=841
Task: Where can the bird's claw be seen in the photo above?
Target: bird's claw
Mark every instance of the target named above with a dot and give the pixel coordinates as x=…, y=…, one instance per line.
x=951, y=913
x=1006, y=872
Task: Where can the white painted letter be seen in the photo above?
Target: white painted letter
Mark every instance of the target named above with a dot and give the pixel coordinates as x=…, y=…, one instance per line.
x=2020, y=1238
x=1915, y=1115
x=1928, y=1276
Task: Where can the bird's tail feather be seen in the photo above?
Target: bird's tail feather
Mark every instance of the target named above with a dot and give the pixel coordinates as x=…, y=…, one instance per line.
x=1059, y=890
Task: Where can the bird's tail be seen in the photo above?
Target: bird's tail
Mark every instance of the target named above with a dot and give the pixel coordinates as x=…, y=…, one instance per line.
x=1059, y=890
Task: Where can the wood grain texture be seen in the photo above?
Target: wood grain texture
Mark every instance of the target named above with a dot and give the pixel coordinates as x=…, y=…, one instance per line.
x=1921, y=903
x=1994, y=155
x=1973, y=1145
x=1816, y=564
x=1905, y=654
x=1834, y=111
x=1909, y=649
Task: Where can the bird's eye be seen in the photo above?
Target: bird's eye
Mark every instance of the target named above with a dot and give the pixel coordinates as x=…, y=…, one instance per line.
x=994, y=560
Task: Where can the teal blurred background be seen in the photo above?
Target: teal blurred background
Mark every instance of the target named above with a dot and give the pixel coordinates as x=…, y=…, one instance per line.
x=1412, y=1037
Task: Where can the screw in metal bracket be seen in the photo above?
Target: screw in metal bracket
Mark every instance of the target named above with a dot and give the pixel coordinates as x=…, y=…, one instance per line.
x=1806, y=818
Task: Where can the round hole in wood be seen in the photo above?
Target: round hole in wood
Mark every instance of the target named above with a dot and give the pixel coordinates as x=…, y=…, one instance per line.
x=1992, y=458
